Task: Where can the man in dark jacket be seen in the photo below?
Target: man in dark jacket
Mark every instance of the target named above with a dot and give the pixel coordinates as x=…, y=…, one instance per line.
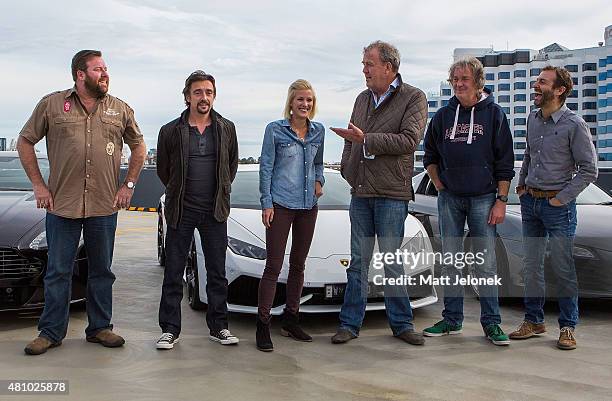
x=197, y=159
x=469, y=158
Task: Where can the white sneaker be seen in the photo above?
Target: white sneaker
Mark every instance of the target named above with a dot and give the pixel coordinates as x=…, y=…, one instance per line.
x=224, y=337
x=166, y=341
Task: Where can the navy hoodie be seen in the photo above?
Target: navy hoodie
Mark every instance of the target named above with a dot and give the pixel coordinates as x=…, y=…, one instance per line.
x=471, y=146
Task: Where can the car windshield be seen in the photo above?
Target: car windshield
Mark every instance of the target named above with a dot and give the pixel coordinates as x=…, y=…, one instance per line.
x=245, y=191
x=592, y=194
x=13, y=176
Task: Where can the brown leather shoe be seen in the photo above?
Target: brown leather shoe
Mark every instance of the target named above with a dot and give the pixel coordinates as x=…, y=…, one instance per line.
x=342, y=336
x=527, y=329
x=412, y=337
x=107, y=338
x=566, y=338
x=40, y=345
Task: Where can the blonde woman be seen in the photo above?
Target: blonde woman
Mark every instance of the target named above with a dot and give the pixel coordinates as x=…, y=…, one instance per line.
x=290, y=183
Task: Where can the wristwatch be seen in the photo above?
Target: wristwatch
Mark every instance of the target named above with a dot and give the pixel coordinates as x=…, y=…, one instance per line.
x=130, y=185
x=503, y=198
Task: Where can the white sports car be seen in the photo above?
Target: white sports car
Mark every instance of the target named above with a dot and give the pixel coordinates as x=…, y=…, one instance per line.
x=325, y=273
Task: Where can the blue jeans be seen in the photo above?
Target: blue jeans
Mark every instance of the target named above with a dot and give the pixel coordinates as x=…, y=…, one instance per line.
x=63, y=241
x=383, y=218
x=544, y=223
x=453, y=211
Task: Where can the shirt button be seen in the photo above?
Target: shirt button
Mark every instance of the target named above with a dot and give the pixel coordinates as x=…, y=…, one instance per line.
x=538, y=151
x=89, y=117
x=87, y=176
x=541, y=136
x=88, y=161
x=88, y=130
x=359, y=185
x=89, y=144
x=85, y=191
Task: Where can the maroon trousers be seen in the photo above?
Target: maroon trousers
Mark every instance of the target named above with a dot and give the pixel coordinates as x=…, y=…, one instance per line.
x=302, y=224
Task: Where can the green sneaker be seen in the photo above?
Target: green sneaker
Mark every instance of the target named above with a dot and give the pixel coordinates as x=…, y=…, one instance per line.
x=496, y=335
x=442, y=328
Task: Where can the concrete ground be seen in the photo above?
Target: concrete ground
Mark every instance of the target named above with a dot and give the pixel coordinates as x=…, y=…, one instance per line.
x=375, y=366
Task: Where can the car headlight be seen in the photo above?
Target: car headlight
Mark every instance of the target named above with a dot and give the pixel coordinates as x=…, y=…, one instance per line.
x=583, y=253
x=40, y=242
x=245, y=249
x=419, y=248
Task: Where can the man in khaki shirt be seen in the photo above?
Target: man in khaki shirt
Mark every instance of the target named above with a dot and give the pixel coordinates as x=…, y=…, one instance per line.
x=84, y=128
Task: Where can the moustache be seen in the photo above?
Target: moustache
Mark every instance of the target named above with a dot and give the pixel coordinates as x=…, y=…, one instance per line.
x=203, y=102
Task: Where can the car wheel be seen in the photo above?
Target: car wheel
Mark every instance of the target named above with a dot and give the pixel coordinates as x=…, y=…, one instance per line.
x=161, y=249
x=193, y=284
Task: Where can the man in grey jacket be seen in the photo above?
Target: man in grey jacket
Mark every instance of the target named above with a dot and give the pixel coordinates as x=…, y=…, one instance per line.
x=386, y=126
x=560, y=161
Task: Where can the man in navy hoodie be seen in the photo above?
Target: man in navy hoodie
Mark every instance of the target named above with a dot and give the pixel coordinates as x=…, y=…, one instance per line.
x=469, y=158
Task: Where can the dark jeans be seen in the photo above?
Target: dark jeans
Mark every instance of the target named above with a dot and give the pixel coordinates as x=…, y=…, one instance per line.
x=302, y=225
x=178, y=244
x=454, y=211
x=542, y=222
x=63, y=241
x=384, y=219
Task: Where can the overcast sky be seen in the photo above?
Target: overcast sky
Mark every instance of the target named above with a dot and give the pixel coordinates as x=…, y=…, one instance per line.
x=255, y=49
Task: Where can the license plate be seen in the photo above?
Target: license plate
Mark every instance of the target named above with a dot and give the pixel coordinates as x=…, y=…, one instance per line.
x=335, y=291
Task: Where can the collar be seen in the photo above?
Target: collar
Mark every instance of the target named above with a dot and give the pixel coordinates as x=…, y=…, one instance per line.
x=556, y=116
x=396, y=82
x=70, y=92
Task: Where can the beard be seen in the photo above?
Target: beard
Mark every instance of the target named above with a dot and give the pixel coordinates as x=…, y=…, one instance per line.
x=547, y=98
x=94, y=87
x=202, y=104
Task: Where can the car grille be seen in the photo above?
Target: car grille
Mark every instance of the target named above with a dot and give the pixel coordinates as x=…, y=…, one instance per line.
x=13, y=266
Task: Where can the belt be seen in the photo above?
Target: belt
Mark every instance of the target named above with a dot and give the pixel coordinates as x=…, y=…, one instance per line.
x=540, y=193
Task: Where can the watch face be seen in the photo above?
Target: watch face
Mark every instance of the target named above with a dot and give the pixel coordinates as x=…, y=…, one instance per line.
x=130, y=185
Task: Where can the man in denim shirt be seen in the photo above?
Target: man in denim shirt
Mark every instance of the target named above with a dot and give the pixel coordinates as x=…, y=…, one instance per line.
x=385, y=128
x=560, y=161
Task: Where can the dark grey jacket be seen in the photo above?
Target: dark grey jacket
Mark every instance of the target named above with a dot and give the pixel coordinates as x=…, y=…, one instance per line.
x=173, y=159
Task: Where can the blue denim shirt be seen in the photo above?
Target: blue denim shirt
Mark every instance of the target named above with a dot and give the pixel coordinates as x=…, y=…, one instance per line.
x=288, y=167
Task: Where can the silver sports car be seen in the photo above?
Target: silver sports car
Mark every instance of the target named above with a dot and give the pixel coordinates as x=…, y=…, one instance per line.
x=325, y=274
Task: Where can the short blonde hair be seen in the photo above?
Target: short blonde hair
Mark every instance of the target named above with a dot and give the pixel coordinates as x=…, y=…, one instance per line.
x=474, y=65
x=300, y=84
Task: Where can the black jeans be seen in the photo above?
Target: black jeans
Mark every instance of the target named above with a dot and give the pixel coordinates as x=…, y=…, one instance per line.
x=214, y=245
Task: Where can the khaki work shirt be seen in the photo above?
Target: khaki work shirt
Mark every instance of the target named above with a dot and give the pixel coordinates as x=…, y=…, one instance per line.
x=84, y=150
